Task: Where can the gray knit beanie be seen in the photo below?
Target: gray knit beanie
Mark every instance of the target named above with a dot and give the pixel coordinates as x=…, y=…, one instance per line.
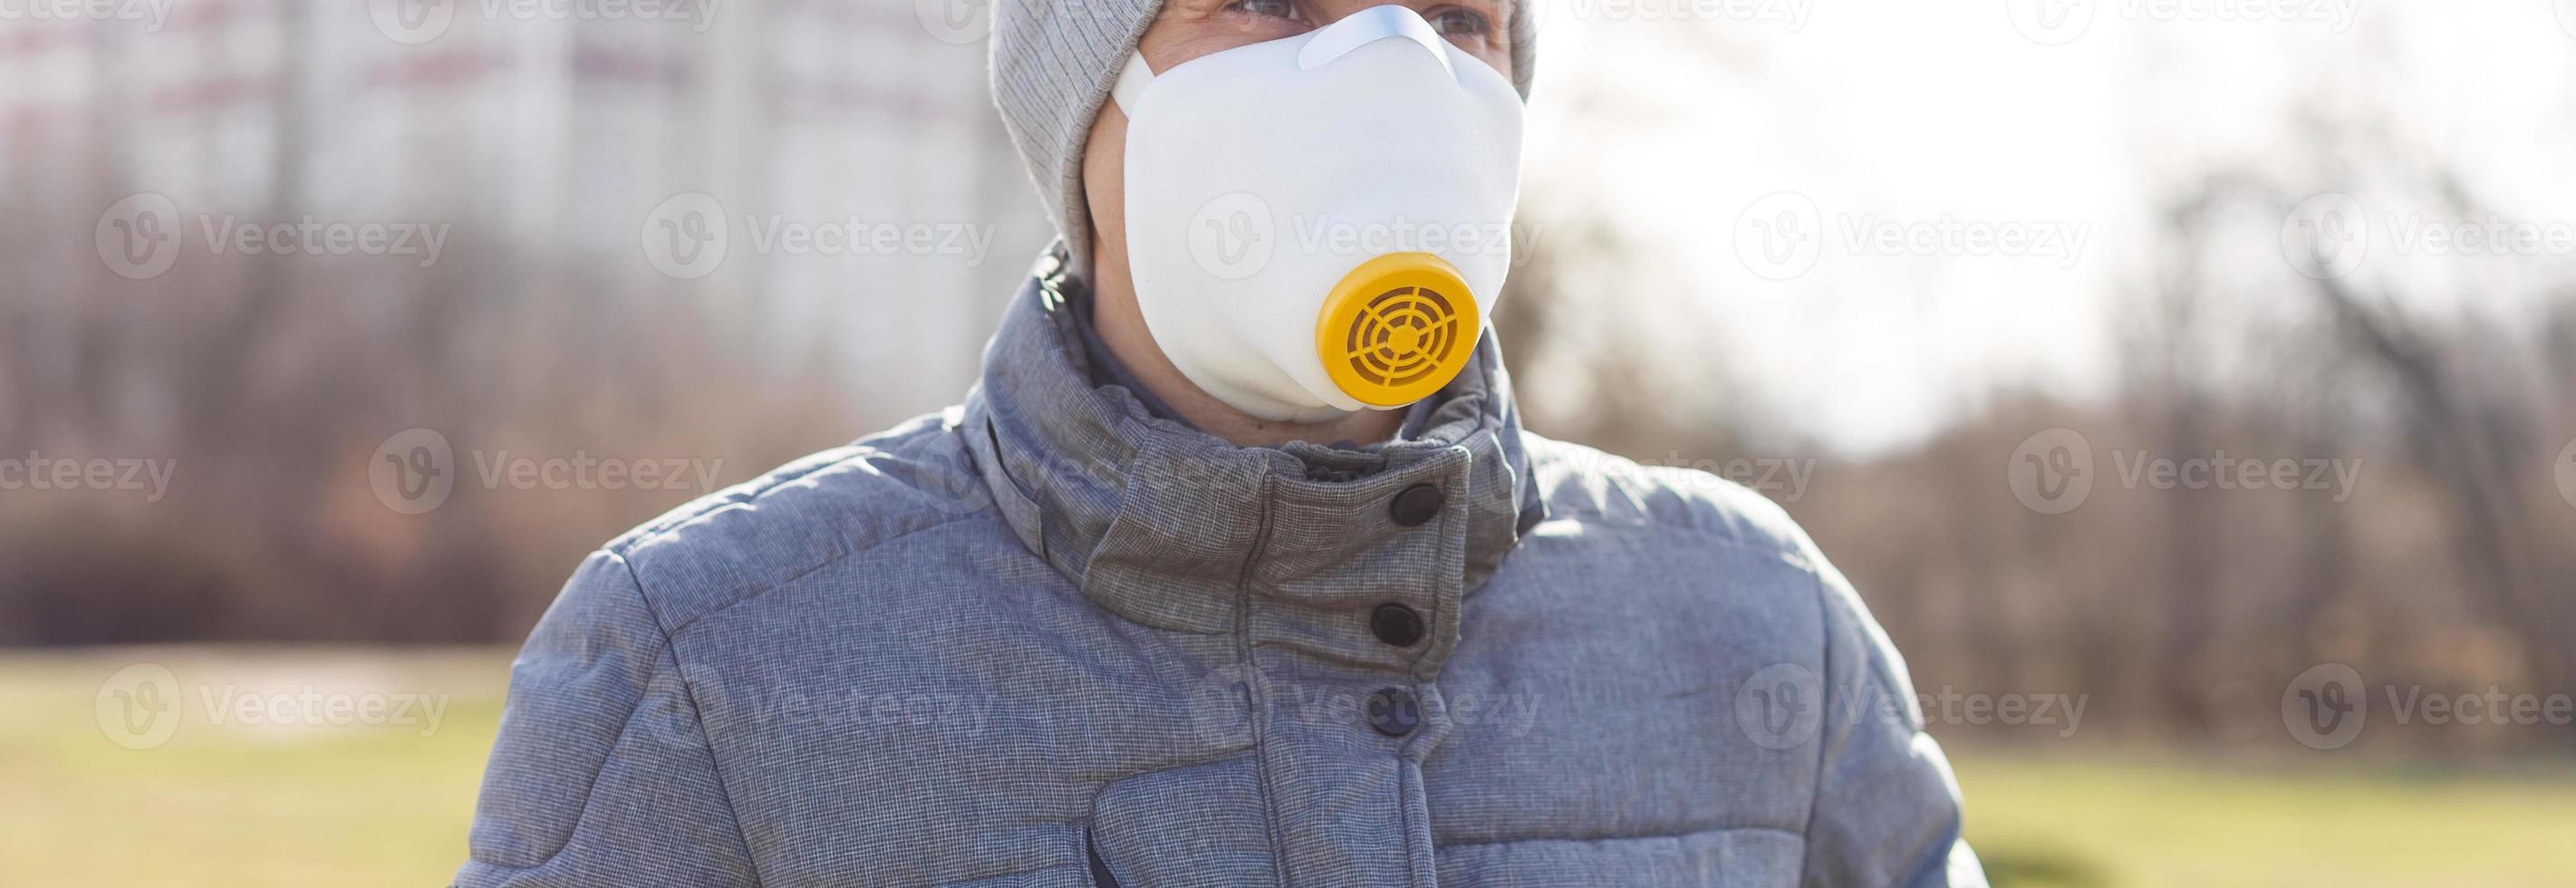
x=1053, y=64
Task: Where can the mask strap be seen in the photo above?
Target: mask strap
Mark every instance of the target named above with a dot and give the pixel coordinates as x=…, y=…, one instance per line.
x=1131, y=83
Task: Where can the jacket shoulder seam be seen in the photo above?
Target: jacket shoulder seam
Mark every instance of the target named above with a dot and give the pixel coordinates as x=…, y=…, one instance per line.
x=837, y=556
x=715, y=763
x=1778, y=550
x=662, y=527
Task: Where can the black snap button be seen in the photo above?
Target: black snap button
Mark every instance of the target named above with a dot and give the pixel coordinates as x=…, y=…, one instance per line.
x=1394, y=712
x=1396, y=624
x=1416, y=505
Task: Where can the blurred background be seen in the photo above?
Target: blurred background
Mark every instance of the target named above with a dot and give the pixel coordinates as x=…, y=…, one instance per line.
x=2190, y=388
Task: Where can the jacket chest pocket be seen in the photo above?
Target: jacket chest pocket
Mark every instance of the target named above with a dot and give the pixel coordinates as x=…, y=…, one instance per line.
x=1726, y=858
x=1075, y=863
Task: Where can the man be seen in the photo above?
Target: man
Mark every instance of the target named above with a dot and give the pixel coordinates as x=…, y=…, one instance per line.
x=1124, y=617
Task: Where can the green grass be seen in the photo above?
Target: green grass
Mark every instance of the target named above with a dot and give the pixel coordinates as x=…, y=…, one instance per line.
x=321, y=805
x=2148, y=821
x=233, y=804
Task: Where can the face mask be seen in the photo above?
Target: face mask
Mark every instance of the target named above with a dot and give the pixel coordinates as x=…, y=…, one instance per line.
x=1321, y=224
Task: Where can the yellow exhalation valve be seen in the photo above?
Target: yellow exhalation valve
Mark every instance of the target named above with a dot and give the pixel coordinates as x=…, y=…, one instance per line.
x=1397, y=328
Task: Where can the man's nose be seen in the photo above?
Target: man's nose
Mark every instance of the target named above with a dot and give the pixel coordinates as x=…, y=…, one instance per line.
x=1370, y=25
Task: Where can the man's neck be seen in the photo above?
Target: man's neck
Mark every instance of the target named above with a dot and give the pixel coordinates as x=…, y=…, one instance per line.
x=1121, y=325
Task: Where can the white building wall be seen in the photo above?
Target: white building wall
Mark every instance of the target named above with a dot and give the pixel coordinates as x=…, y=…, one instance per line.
x=554, y=139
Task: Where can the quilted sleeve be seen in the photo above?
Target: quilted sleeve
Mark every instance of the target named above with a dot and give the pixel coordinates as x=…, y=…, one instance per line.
x=602, y=774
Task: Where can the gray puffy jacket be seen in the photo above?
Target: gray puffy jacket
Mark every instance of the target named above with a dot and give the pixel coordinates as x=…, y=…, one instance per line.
x=1046, y=639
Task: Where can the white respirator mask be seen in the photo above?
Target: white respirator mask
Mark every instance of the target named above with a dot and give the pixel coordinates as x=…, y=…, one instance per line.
x=1321, y=224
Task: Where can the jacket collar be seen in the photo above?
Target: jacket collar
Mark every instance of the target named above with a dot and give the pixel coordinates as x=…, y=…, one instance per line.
x=1162, y=523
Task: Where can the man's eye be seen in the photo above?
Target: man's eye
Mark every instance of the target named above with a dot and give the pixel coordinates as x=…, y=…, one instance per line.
x=1273, y=8
x=1454, y=21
